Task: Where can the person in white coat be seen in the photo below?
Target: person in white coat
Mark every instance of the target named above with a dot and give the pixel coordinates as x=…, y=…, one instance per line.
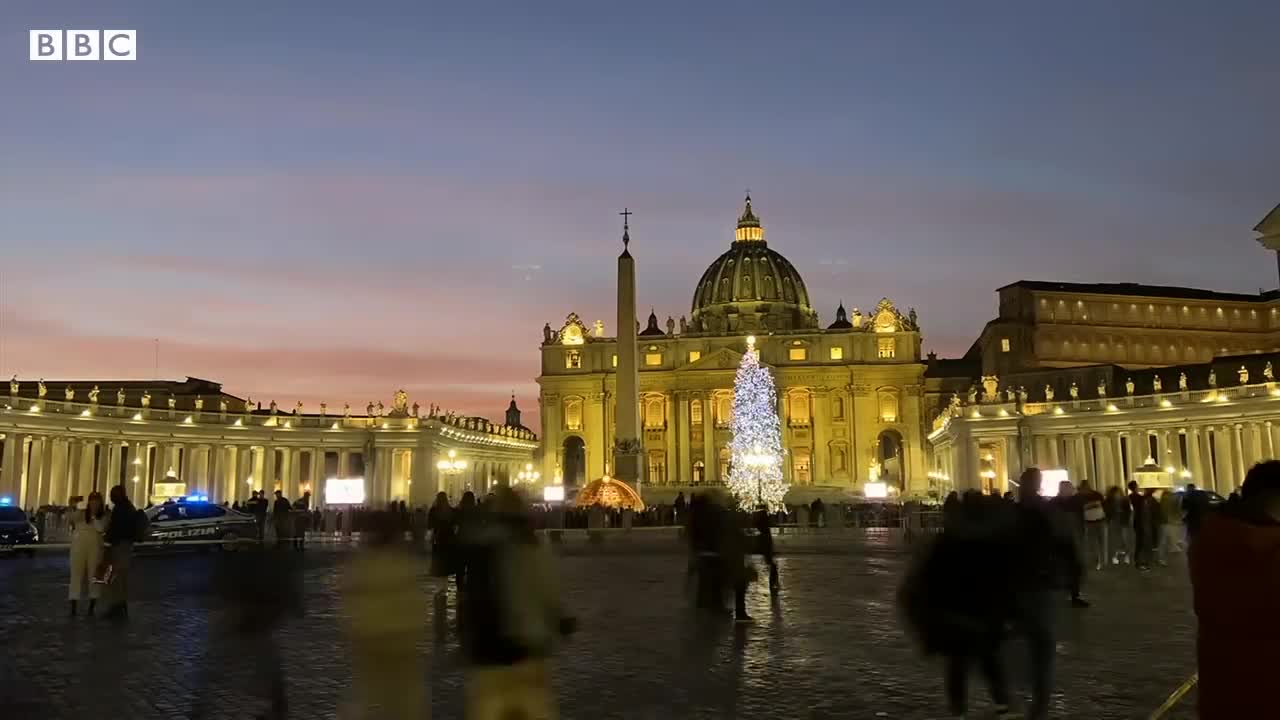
x=87, y=528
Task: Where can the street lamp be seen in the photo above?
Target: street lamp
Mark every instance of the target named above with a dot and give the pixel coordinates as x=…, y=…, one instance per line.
x=528, y=474
x=452, y=466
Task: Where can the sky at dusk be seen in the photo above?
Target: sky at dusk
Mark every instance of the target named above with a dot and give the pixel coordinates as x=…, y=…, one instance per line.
x=330, y=201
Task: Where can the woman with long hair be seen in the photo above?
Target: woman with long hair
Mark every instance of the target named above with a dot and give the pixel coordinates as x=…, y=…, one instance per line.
x=87, y=529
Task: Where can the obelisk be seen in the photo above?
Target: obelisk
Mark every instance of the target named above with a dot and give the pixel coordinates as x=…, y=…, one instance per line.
x=627, y=447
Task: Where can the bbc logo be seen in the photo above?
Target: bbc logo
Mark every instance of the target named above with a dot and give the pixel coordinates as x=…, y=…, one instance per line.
x=84, y=44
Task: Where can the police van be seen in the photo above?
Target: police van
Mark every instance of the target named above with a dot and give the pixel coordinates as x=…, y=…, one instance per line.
x=194, y=519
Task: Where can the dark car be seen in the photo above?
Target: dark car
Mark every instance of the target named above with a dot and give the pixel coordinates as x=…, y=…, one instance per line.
x=191, y=520
x=16, y=530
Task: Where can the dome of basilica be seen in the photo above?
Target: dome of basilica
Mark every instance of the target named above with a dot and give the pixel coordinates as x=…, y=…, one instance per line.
x=751, y=287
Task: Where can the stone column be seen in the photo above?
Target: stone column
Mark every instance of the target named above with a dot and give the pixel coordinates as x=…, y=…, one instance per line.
x=344, y=464
x=1237, y=454
x=295, y=473
x=199, y=464
x=1268, y=441
x=245, y=471
x=422, y=492
x=627, y=466
x=1210, y=471
x=1193, y=456
x=710, y=459
x=671, y=466
x=268, y=470
x=1093, y=468
x=1119, y=459
x=820, y=429
x=972, y=479
x=114, y=460
x=683, y=471
x=1256, y=452
x=39, y=470
x=1224, y=468
x=1054, y=451
x=11, y=467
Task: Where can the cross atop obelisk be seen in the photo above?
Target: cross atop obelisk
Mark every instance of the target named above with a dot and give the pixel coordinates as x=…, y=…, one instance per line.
x=626, y=227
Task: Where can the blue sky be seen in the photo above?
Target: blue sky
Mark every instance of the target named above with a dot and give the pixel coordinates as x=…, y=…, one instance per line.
x=330, y=200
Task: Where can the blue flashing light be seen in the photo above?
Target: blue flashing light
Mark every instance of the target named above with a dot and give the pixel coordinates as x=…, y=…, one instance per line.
x=204, y=498
x=6, y=500
x=193, y=498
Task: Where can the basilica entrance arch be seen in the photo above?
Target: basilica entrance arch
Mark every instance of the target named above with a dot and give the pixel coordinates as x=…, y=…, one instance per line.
x=573, y=461
x=891, y=458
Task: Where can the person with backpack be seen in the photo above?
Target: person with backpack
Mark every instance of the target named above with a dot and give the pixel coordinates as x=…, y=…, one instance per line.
x=126, y=526
x=1095, y=525
x=512, y=616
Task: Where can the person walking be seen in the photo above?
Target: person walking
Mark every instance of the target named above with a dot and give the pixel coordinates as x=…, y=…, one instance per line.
x=513, y=616
x=955, y=599
x=1195, y=505
x=441, y=523
x=257, y=506
x=735, y=573
x=385, y=612
x=1045, y=559
x=125, y=526
x=87, y=530
x=1095, y=524
x=1235, y=588
x=764, y=539
x=1119, y=526
x=280, y=518
x=1141, y=527
x=1070, y=509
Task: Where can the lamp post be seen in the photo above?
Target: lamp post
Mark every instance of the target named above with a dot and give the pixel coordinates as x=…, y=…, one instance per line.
x=452, y=466
x=528, y=474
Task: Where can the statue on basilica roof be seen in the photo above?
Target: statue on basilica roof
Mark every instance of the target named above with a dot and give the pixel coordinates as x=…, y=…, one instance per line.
x=400, y=403
x=1157, y=384
x=1182, y=382
x=120, y=396
x=599, y=328
x=146, y=400
x=41, y=390
x=1048, y=393
x=671, y=325
x=69, y=393
x=1267, y=373
x=93, y=395
x=1213, y=377
x=199, y=402
x=1243, y=372
x=548, y=335
x=13, y=385
x=222, y=406
x=684, y=327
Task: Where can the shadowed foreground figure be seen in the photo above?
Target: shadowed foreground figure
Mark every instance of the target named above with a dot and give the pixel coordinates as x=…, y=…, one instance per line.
x=387, y=613
x=512, y=615
x=254, y=591
x=1235, y=577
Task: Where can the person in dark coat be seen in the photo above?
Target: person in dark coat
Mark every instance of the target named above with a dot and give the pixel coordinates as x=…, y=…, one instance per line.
x=467, y=521
x=444, y=535
x=1141, y=527
x=1195, y=505
x=257, y=506
x=679, y=508
x=280, y=517
x=125, y=527
x=764, y=530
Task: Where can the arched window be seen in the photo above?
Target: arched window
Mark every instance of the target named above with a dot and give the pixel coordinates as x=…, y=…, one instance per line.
x=798, y=408
x=837, y=407
x=573, y=413
x=654, y=413
x=724, y=409
x=695, y=412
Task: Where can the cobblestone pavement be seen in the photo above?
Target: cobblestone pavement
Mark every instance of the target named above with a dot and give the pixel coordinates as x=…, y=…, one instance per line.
x=831, y=648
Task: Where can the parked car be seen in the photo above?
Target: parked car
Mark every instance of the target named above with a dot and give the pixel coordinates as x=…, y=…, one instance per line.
x=16, y=530
x=184, y=520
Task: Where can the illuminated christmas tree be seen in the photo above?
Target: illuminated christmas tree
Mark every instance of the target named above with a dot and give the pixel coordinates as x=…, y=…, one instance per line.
x=755, y=471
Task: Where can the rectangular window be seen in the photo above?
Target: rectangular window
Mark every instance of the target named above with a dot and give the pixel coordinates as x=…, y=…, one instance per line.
x=837, y=407
x=837, y=353
x=695, y=355
x=1004, y=344
x=695, y=412
x=573, y=360
x=657, y=467
x=615, y=361
x=798, y=353
x=652, y=359
x=886, y=349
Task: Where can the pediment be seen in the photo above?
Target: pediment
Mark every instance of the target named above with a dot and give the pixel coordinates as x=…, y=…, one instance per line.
x=722, y=359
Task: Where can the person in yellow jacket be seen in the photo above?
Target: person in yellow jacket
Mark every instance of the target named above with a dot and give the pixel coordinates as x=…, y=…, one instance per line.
x=87, y=529
x=387, y=611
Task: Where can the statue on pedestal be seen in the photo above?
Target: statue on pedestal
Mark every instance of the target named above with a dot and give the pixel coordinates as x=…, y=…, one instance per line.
x=297, y=409
x=1022, y=394
x=416, y=408
x=599, y=328
x=684, y=326
x=41, y=390
x=146, y=398
x=400, y=403
x=13, y=385
x=1213, y=378
x=199, y=403
x=1008, y=393
x=1102, y=388
x=671, y=325
x=1128, y=386
x=69, y=393
x=379, y=407
x=973, y=394
x=120, y=396
x=273, y=407
x=324, y=409
x=1243, y=372
x=990, y=388
x=913, y=323
x=173, y=402
x=93, y=395
x=1074, y=391
x=248, y=404
x=548, y=336
x=1048, y=393
x=368, y=410
x=222, y=406
x=1182, y=382
x=1267, y=373
x=346, y=410
x=1157, y=384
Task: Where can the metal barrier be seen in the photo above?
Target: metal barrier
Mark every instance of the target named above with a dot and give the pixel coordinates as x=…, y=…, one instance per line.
x=1175, y=697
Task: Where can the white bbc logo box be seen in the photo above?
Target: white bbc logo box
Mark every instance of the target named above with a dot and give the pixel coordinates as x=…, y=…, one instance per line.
x=84, y=44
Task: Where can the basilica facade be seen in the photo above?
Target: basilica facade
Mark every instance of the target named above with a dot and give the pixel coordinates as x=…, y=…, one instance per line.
x=850, y=391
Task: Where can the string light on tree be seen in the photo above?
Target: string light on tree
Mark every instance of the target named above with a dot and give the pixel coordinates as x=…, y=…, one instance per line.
x=755, y=472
